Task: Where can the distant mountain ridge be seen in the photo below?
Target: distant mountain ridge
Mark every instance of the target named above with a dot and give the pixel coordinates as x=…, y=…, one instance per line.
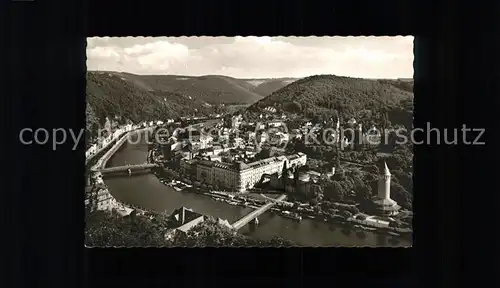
x=213, y=89
x=139, y=98
x=111, y=95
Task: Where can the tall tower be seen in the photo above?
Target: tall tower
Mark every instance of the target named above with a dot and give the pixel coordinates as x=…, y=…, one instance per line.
x=384, y=187
x=359, y=137
x=383, y=203
x=337, y=130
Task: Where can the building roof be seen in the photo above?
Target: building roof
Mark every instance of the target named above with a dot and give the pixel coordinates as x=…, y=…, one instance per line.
x=188, y=225
x=305, y=177
x=241, y=165
x=386, y=169
x=184, y=215
x=223, y=165
x=385, y=202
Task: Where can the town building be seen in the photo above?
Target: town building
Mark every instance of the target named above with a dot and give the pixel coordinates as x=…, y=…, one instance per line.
x=184, y=219
x=298, y=182
x=240, y=176
x=97, y=196
x=275, y=123
x=270, y=109
x=188, y=166
x=236, y=121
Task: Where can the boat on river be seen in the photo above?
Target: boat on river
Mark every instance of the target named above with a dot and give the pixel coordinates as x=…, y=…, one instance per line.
x=293, y=216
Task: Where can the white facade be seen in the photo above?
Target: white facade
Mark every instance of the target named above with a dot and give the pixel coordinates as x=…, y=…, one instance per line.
x=240, y=176
x=275, y=124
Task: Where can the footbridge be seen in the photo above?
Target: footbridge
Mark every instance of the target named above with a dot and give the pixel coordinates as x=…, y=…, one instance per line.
x=282, y=202
x=256, y=213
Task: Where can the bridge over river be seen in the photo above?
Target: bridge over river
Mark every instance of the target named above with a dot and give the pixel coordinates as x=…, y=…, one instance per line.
x=126, y=168
x=256, y=213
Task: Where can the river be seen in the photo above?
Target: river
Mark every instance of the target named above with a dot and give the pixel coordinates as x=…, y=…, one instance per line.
x=147, y=191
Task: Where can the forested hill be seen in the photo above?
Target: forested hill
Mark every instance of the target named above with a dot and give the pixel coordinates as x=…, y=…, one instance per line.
x=109, y=95
x=326, y=95
x=214, y=89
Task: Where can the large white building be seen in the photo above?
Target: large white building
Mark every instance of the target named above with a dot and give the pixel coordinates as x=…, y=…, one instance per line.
x=240, y=176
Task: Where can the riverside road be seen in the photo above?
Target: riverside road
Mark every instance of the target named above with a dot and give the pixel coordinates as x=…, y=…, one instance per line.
x=148, y=192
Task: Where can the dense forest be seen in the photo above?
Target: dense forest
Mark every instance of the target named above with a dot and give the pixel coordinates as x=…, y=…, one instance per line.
x=213, y=89
x=327, y=96
x=108, y=95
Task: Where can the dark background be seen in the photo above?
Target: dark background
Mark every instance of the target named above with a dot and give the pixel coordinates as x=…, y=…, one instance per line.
x=43, y=85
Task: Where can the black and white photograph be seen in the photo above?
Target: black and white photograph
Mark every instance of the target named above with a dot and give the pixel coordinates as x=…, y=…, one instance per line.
x=249, y=142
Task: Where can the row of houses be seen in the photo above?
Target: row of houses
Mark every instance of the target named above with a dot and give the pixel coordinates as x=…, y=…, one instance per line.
x=105, y=141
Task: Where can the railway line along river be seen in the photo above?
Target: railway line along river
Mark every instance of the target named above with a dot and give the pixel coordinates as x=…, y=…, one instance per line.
x=147, y=191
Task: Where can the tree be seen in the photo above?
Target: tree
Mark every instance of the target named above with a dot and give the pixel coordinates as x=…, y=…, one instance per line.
x=363, y=191
x=210, y=233
x=263, y=154
x=361, y=217
x=346, y=214
x=293, y=107
x=373, y=169
x=316, y=191
x=394, y=224
x=404, y=178
x=400, y=195
x=354, y=210
x=104, y=230
x=334, y=191
x=278, y=242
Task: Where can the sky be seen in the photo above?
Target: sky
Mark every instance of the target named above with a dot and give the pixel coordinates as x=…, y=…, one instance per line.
x=254, y=57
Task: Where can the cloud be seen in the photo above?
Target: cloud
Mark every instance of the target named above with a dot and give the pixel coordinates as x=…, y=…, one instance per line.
x=255, y=57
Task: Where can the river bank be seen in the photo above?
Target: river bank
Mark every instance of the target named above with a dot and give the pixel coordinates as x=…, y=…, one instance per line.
x=283, y=209
x=146, y=192
x=97, y=194
x=341, y=214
